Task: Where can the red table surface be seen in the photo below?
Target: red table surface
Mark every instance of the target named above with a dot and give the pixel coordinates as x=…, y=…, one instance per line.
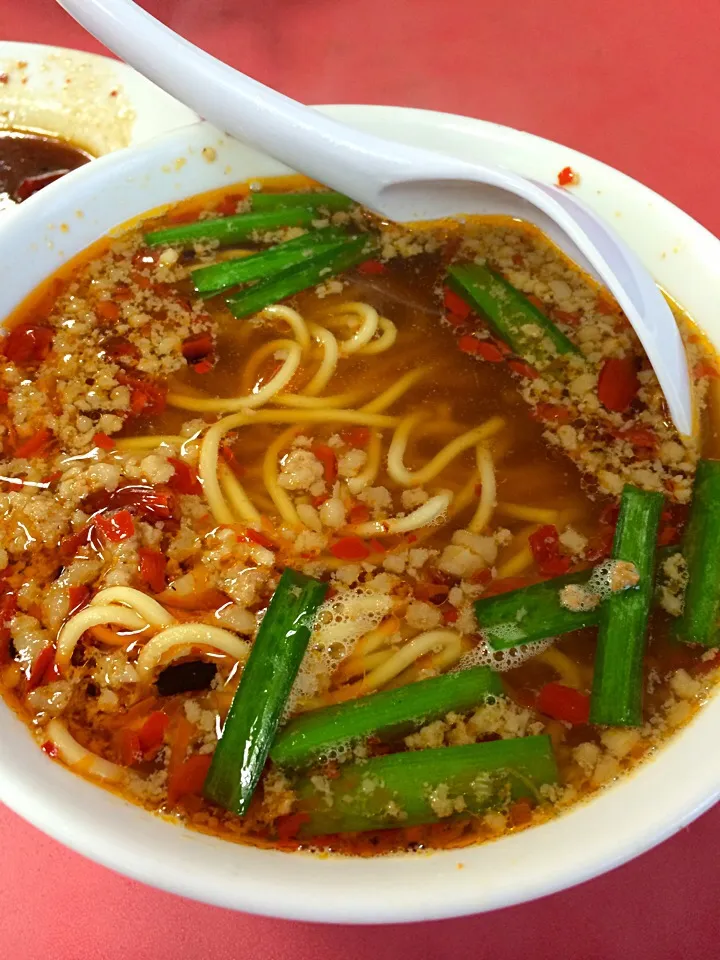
x=633, y=83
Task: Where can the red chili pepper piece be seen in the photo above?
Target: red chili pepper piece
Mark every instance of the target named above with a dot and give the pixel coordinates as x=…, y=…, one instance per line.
x=35, y=445
x=119, y=347
x=8, y=606
x=152, y=564
x=372, y=267
x=455, y=304
x=31, y=185
x=4, y=397
x=197, y=347
x=117, y=527
x=42, y=671
x=350, y=548
x=78, y=597
x=563, y=703
x=130, y=749
x=189, y=778
x=28, y=343
x=152, y=733
x=523, y=369
x=552, y=413
x=288, y=826
x=50, y=749
x=359, y=513
x=545, y=546
x=146, y=398
x=231, y=460
x=567, y=177
x=103, y=441
x=184, y=480
x=255, y=536
x=377, y=546
x=107, y=310
x=326, y=455
x=485, y=349
x=618, y=383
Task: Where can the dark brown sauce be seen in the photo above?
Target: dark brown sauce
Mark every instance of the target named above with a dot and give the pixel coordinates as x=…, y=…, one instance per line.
x=29, y=161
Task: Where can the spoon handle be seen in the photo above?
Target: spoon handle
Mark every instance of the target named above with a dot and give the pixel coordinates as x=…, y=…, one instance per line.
x=335, y=154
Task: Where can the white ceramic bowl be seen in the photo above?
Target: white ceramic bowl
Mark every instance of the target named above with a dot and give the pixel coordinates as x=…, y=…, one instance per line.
x=98, y=103
x=620, y=823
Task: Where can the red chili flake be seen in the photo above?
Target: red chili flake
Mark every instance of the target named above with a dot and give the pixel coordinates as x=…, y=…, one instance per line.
x=705, y=369
x=639, y=437
x=107, y=310
x=545, y=546
x=455, y=304
x=326, y=455
x=129, y=746
x=116, y=528
x=288, y=826
x=146, y=501
x=197, y=347
x=372, y=267
x=450, y=615
x=360, y=513
x=605, y=306
x=184, y=479
x=231, y=460
x=78, y=597
x=202, y=366
x=485, y=349
x=103, y=441
x=50, y=749
x=377, y=546
x=571, y=319
x=228, y=205
x=618, y=383
x=42, y=671
x=28, y=343
x=151, y=568
x=520, y=813
x=411, y=538
x=35, y=445
x=145, y=397
x=350, y=548
x=567, y=178
x=563, y=703
x=551, y=413
x=4, y=397
x=523, y=369
x=4, y=78
x=31, y=185
x=255, y=536
x=152, y=733
x=118, y=347
x=8, y=607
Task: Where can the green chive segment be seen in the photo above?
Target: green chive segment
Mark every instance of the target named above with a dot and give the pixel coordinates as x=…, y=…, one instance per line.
x=406, y=789
x=511, y=316
x=701, y=550
x=320, y=267
x=319, y=200
x=264, y=688
x=532, y=613
x=390, y=714
x=228, y=230
x=618, y=679
x=209, y=281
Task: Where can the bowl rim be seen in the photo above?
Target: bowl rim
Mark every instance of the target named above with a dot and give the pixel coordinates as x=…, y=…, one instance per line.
x=643, y=809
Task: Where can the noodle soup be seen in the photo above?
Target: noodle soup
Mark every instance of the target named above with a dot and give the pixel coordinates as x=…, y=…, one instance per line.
x=272, y=562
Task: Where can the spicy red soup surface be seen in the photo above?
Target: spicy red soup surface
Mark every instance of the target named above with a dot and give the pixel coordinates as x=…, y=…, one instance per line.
x=342, y=474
